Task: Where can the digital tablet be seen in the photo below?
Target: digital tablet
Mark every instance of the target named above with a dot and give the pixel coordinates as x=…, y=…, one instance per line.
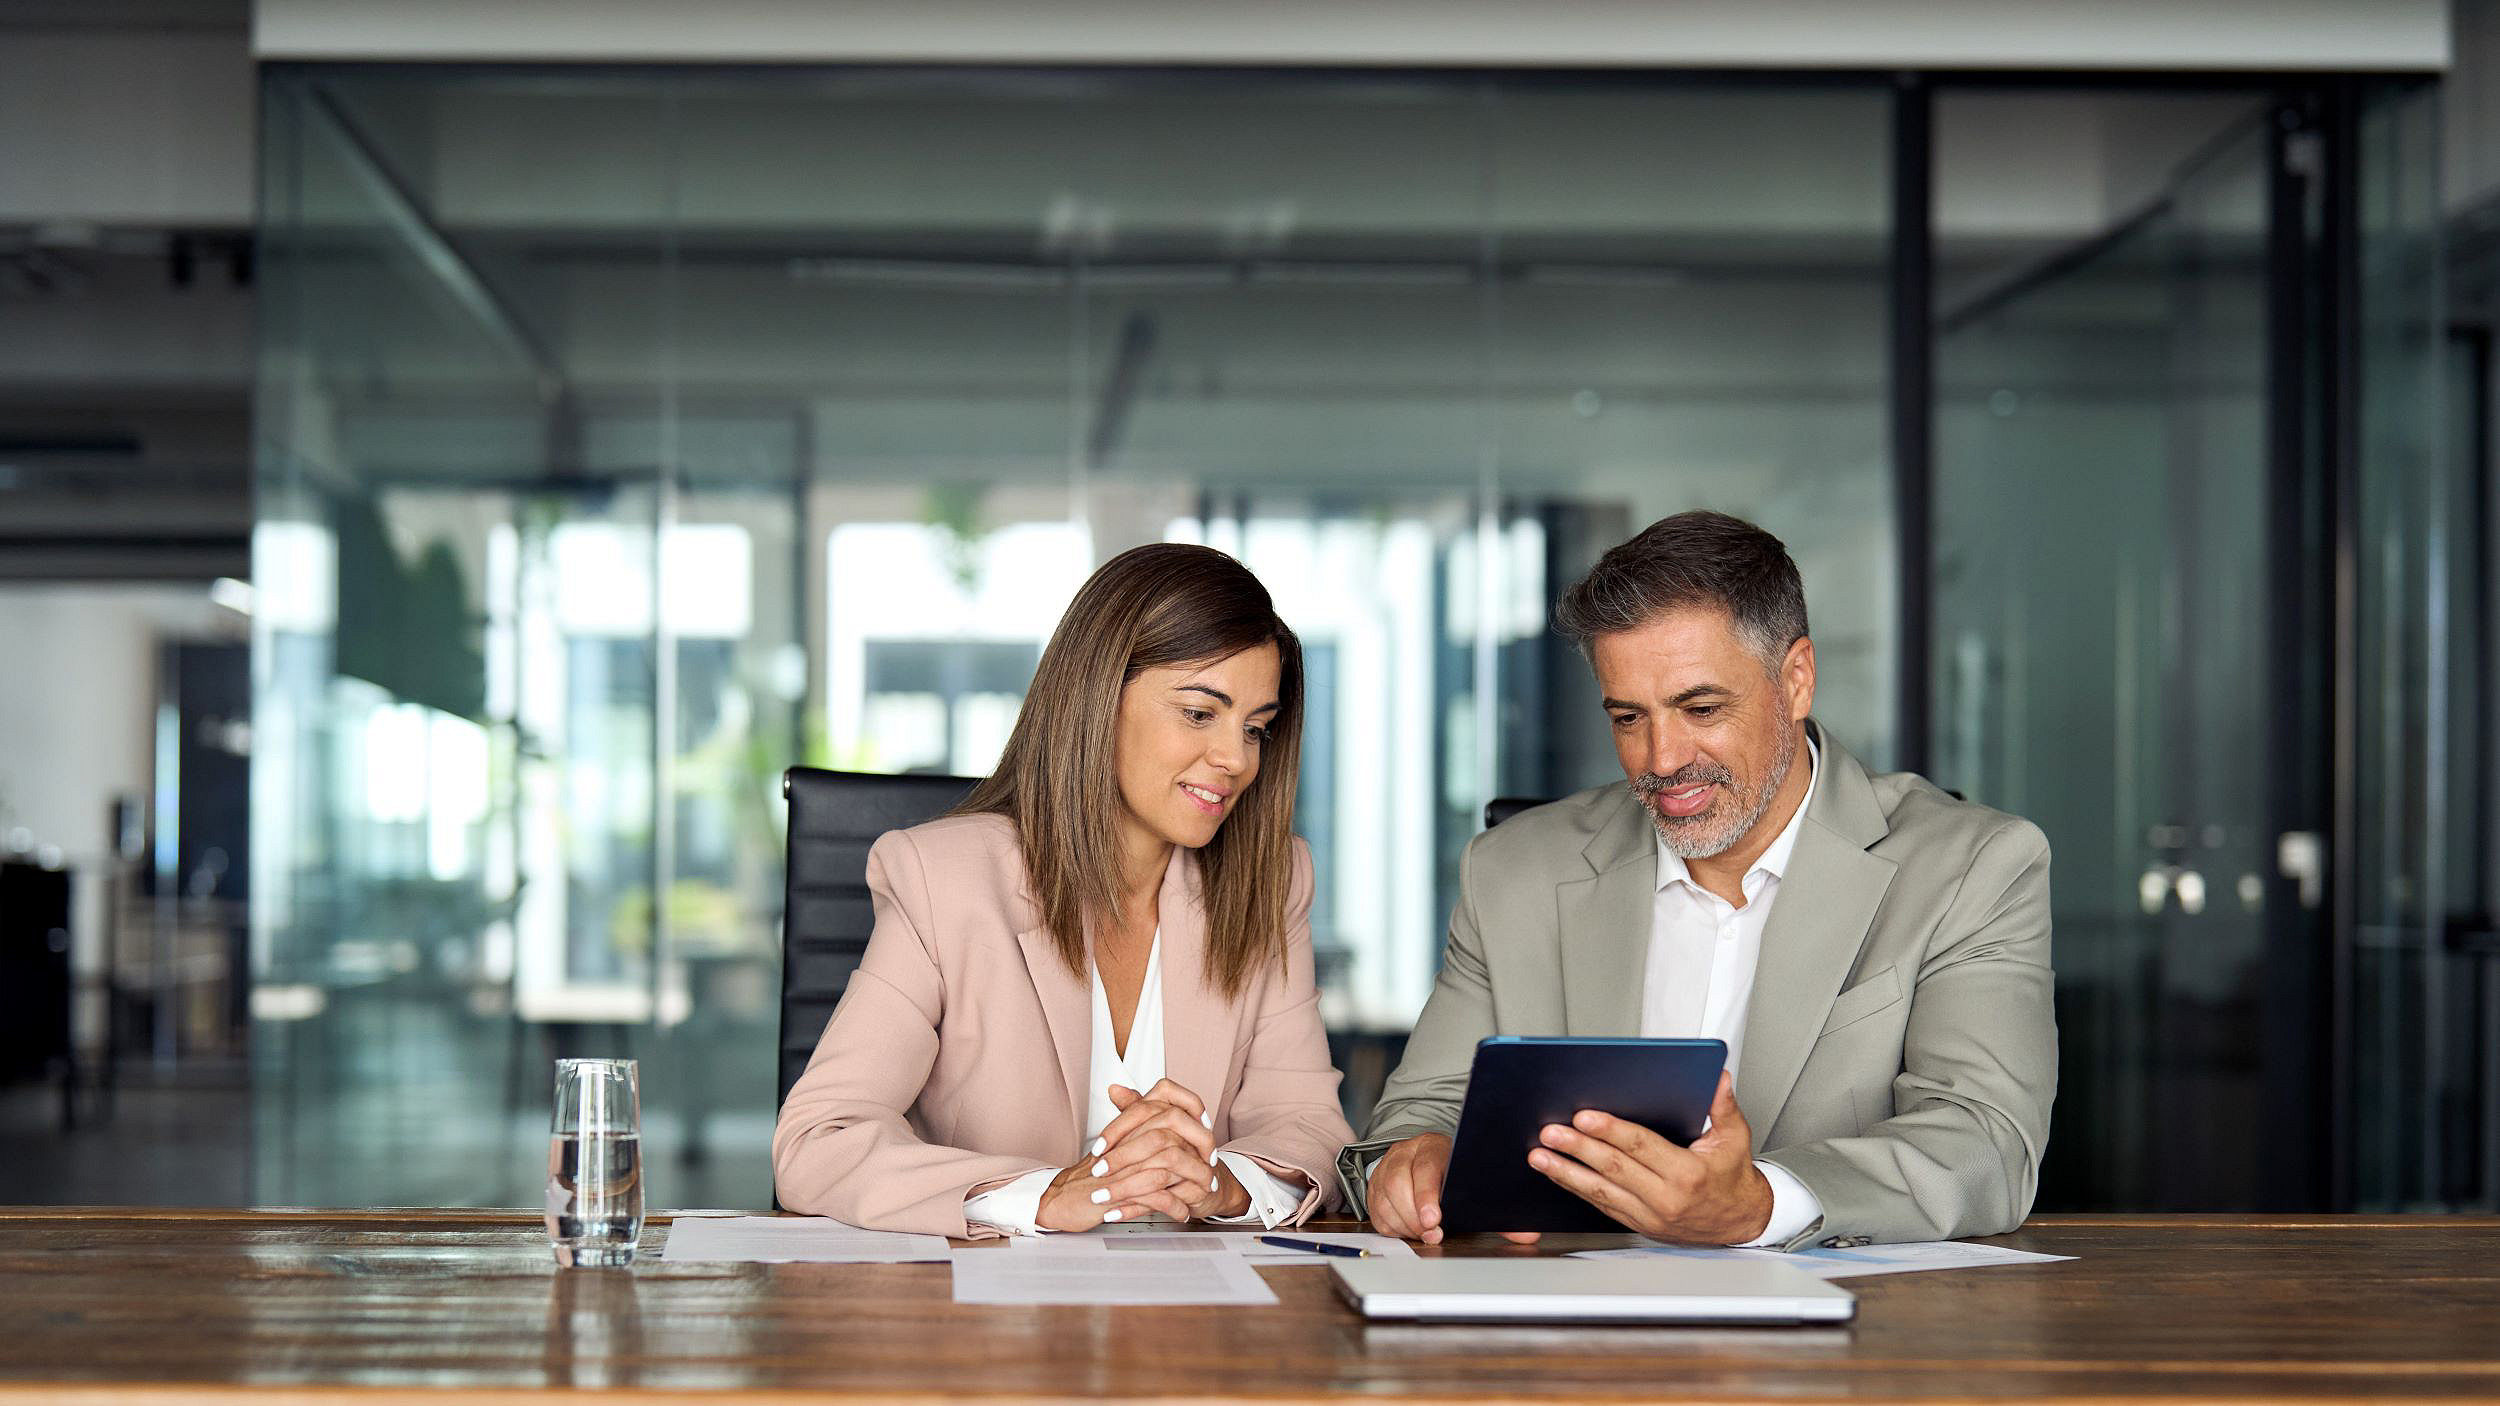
x=1521, y=1083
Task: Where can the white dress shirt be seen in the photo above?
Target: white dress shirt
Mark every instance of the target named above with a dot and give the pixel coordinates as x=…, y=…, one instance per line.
x=1016, y=1206
x=1699, y=977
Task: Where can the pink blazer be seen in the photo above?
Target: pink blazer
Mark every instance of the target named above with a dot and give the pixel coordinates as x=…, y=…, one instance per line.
x=959, y=1054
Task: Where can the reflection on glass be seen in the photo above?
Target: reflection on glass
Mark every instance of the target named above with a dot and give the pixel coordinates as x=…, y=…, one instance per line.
x=633, y=437
x=1655, y=352
x=2420, y=1005
x=2102, y=499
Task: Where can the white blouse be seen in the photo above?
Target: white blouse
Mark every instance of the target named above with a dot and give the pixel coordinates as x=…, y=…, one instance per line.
x=1016, y=1206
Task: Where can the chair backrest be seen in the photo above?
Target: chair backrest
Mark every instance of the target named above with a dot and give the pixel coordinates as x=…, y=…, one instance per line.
x=826, y=916
x=1502, y=808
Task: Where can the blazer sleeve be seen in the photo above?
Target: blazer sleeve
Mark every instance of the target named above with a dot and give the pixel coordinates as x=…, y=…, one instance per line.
x=1961, y=1156
x=1424, y=1095
x=1285, y=1112
x=843, y=1146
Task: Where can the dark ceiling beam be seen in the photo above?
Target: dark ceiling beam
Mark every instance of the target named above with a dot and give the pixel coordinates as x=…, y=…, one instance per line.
x=405, y=213
x=1120, y=390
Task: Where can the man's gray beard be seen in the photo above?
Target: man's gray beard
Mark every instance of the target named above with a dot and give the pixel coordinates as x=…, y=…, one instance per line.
x=1689, y=839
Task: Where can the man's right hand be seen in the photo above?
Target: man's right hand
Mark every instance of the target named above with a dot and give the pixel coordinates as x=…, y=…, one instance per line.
x=1405, y=1196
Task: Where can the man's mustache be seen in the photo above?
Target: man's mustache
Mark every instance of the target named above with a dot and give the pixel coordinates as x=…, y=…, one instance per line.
x=1649, y=787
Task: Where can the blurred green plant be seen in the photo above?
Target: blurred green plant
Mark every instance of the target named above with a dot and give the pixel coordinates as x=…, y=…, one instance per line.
x=702, y=918
x=955, y=509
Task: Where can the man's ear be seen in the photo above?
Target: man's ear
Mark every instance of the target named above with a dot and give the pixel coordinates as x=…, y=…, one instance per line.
x=1797, y=679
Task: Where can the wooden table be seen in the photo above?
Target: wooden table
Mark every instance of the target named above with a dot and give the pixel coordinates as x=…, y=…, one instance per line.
x=149, y=1306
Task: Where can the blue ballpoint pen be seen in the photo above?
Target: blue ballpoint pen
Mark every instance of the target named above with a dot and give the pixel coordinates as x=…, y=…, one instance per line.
x=1314, y=1246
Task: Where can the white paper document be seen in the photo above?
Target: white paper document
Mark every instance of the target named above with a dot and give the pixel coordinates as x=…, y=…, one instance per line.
x=1244, y=1243
x=795, y=1240
x=1001, y=1276
x=1850, y=1264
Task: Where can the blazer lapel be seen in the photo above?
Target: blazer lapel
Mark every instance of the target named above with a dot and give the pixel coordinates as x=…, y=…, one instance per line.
x=1197, y=1021
x=1604, y=926
x=1826, y=903
x=1068, y=1009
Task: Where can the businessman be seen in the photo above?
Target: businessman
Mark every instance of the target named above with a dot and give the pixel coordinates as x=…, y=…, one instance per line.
x=1874, y=952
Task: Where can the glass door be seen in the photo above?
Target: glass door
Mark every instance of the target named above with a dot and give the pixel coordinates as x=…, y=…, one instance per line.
x=2124, y=611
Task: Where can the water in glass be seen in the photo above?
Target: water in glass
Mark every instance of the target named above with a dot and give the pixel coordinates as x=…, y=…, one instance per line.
x=594, y=1164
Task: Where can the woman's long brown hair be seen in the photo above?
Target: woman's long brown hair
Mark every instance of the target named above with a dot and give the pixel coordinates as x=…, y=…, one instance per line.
x=1152, y=607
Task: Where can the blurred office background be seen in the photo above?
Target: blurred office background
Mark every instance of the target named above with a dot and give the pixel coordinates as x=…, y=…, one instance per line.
x=451, y=462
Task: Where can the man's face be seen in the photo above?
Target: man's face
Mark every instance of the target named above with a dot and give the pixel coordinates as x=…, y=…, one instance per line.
x=1704, y=733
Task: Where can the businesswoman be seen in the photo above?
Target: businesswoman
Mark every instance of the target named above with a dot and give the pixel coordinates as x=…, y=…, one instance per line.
x=1088, y=996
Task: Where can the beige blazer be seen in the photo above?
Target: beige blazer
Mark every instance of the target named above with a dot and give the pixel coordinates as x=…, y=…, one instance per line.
x=1900, y=1047
x=959, y=1055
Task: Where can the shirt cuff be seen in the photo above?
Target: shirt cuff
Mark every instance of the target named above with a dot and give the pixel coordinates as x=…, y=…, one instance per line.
x=1794, y=1206
x=1014, y=1208
x=1272, y=1200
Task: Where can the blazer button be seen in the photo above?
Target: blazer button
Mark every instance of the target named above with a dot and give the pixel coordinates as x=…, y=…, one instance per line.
x=1847, y=1242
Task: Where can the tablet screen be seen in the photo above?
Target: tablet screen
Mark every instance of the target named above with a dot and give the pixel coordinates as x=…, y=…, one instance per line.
x=1521, y=1083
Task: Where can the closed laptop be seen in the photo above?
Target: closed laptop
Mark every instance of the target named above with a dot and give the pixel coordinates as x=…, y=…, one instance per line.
x=1546, y=1290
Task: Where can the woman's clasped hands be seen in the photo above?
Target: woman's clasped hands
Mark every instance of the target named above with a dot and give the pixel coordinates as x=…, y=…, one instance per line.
x=1156, y=1155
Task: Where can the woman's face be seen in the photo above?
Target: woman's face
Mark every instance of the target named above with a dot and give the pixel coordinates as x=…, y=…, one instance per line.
x=1188, y=743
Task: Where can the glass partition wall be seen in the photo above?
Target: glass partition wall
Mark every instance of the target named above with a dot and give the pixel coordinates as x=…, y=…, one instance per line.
x=2194, y=593
x=628, y=437
x=2102, y=666
x=2424, y=1013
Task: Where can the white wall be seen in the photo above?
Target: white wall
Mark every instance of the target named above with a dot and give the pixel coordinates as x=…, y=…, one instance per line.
x=121, y=127
x=77, y=718
x=2470, y=109
x=2066, y=164
x=2078, y=34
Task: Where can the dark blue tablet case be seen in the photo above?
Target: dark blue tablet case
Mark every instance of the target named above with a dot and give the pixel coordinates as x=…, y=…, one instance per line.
x=1521, y=1083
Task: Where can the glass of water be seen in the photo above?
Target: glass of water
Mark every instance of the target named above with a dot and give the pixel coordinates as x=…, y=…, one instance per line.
x=594, y=1164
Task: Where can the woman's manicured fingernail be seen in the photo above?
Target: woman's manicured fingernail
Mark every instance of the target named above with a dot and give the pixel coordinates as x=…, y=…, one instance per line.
x=1101, y=1167
x=1096, y=1149
x=1110, y=1216
x=1101, y=1194
x=1213, y=1184
x=1208, y=1119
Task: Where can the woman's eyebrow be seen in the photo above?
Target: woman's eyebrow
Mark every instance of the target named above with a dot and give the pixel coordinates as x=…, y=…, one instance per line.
x=1226, y=699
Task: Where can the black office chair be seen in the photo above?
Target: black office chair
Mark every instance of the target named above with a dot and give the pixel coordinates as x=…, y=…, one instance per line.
x=826, y=917
x=1502, y=808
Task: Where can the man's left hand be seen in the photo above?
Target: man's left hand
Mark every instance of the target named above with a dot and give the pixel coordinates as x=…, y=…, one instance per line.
x=1710, y=1193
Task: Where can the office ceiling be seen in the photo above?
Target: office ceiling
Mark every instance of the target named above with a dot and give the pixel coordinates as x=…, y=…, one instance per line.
x=863, y=280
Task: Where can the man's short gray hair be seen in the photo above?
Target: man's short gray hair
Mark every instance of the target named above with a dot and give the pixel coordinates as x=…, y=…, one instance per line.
x=1692, y=559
